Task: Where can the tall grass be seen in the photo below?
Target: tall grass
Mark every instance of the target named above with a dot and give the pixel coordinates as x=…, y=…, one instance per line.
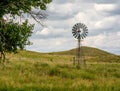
x=39, y=73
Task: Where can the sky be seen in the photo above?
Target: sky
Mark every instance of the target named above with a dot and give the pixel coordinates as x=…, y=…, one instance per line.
x=102, y=17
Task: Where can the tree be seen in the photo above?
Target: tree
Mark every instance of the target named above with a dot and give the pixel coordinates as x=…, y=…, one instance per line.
x=13, y=35
x=16, y=7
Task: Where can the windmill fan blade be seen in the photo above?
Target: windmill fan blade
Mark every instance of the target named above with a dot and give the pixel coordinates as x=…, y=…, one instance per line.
x=75, y=25
x=82, y=25
x=85, y=27
x=82, y=37
x=85, y=34
x=73, y=31
x=79, y=36
x=85, y=30
x=74, y=34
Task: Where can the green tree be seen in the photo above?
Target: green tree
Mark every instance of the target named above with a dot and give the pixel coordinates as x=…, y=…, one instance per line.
x=13, y=35
x=16, y=7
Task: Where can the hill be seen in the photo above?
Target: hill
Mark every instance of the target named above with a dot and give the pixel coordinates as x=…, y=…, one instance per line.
x=92, y=54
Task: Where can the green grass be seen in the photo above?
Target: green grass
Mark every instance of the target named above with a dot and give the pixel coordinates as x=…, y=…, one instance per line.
x=31, y=71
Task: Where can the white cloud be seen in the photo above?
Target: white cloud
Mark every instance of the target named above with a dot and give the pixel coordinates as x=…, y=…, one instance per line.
x=105, y=7
x=106, y=22
x=81, y=17
x=118, y=33
x=62, y=8
x=45, y=32
x=54, y=44
x=104, y=41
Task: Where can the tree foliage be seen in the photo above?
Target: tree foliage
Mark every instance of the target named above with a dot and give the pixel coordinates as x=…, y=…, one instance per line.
x=13, y=35
x=16, y=7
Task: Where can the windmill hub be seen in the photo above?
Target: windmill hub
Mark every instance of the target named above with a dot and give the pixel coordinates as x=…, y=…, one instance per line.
x=78, y=31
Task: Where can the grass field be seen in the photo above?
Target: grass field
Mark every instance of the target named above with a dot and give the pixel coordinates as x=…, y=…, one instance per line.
x=30, y=71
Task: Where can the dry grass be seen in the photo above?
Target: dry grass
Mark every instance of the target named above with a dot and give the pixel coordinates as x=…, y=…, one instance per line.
x=30, y=71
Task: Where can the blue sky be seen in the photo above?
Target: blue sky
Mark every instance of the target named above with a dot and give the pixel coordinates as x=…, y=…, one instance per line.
x=101, y=16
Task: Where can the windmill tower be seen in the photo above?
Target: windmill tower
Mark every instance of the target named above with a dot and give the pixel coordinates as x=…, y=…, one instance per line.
x=80, y=32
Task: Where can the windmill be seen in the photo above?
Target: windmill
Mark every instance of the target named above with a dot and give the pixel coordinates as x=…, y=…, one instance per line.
x=80, y=32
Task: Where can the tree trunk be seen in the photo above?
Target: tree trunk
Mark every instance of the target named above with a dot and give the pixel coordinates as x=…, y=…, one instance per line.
x=2, y=59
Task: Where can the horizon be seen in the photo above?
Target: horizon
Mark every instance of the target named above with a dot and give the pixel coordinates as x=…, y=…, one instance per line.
x=71, y=49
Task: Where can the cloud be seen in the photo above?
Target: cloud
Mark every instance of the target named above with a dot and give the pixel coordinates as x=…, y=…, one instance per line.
x=50, y=33
x=102, y=18
x=61, y=11
x=50, y=45
x=99, y=1
x=44, y=32
x=109, y=42
x=63, y=1
x=118, y=33
x=108, y=9
x=86, y=1
x=106, y=23
x=105, y=7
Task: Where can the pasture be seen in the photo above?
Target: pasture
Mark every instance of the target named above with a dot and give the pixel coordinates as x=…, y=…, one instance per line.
x=31, y=71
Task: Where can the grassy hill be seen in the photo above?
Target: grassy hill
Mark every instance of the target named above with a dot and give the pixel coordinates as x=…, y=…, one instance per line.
x=92, y=54
x=32, y=71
